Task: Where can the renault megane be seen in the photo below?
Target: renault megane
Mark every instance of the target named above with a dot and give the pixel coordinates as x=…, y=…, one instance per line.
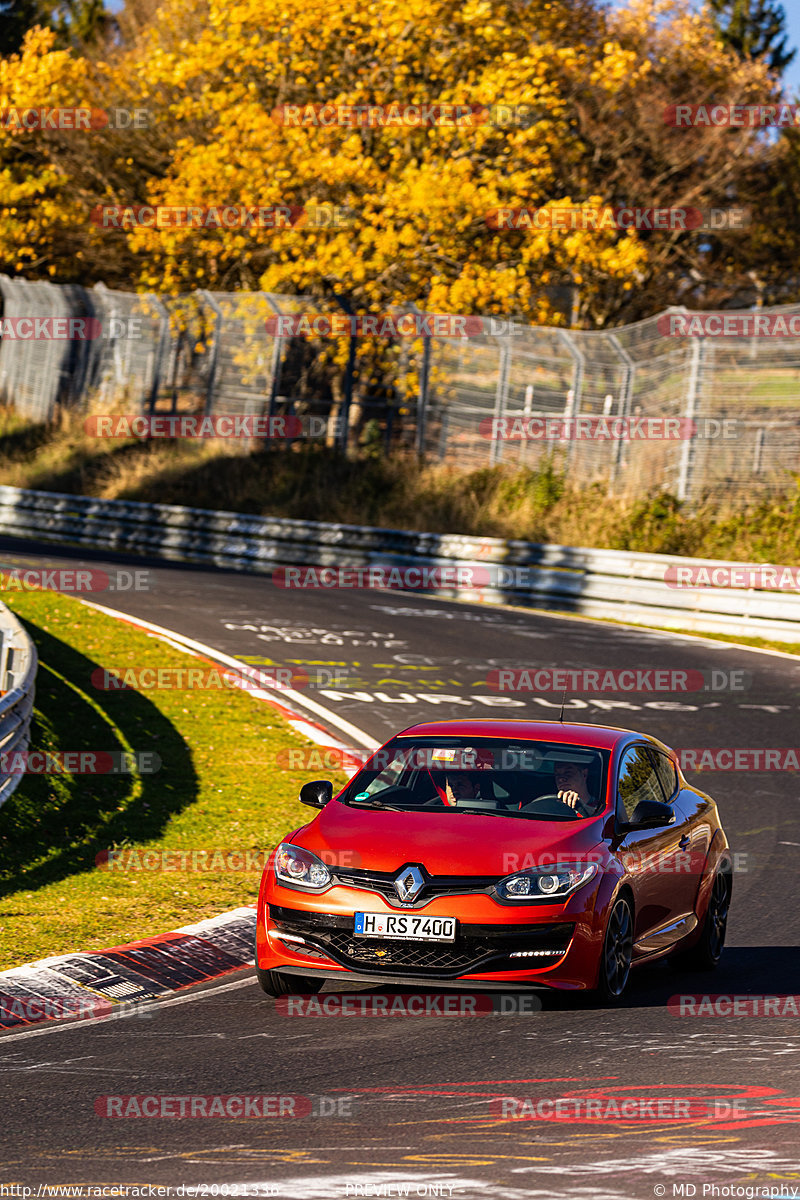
x=485, y=853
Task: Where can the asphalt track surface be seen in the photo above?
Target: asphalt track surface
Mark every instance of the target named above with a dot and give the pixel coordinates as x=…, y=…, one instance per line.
x=411, y=1095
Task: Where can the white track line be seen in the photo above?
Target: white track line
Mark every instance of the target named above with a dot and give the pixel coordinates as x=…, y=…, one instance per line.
x=330, y=718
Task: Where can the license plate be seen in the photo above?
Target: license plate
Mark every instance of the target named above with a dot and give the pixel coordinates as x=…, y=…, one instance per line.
x=408, y=926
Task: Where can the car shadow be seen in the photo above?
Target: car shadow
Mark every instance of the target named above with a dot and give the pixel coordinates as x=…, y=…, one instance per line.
x=743, y=971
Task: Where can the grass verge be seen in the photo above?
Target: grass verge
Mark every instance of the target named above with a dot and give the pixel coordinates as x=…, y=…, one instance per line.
x=316, y=483
x=218, y=788
x=792, y=648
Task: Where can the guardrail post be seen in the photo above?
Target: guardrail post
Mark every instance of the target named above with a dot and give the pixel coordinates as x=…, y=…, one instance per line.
x=5, y=654
x=347, y=398
x=501, y=397
x=160, y=351
x=347, y=401
x=758, y=450
x=444, y=433
x=625, y=399
x=692, y=394
x=579, y=362
x=212, y=366
x=276, y=365
x=422, y=395
x=5, y=366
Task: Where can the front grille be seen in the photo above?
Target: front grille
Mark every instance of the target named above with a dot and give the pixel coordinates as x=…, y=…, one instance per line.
x=443, y=885
x=476, y=948
x=305, y=949
x=436, y=956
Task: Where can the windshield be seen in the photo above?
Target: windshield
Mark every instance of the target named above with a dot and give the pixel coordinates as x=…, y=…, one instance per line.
x=529, y=779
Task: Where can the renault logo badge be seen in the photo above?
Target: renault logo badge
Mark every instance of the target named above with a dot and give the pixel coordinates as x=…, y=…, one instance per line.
x=409, y=883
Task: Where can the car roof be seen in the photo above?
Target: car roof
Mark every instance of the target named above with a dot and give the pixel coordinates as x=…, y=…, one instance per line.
x=602, y=737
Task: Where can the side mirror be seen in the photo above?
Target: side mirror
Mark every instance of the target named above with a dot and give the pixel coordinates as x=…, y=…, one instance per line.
x=649, y=814
x=318, y=793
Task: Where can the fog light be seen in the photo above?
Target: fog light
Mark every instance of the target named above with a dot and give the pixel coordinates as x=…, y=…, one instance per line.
x=533, y=953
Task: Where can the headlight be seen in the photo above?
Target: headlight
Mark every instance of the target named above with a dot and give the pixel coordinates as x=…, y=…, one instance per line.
x=294, y=864
x=545, y=884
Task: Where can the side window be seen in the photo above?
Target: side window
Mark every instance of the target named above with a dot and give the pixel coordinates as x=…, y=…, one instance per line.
x=637, y=781
x=667, y=775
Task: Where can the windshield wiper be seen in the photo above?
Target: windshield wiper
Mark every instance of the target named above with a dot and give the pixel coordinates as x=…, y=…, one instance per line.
x=375, y=804
x=427, y=808
x=504, y=812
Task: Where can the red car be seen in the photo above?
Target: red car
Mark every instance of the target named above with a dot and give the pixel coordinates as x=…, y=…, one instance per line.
x=489, y=853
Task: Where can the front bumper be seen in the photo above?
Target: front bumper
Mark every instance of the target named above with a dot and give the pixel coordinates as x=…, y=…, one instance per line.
x=554, y=946
x=477, y=948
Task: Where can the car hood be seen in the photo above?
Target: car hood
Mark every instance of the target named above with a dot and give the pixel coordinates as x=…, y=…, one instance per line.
x=444, y=843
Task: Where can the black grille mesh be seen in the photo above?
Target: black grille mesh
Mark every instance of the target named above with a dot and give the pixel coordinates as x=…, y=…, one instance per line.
x=476, y=947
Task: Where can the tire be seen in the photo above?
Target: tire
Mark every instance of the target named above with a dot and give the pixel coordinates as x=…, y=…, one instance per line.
x=707, y=951
x=615, y=959
x=274, y=984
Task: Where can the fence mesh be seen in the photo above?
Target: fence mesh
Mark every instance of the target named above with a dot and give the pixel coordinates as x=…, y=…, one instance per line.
x=215, y=352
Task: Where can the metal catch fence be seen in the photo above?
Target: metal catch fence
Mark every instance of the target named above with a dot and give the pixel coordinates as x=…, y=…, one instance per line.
x=736, y=399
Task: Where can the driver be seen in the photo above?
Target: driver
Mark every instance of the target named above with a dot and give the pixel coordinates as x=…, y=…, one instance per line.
x=463, y=785
x=573, y=789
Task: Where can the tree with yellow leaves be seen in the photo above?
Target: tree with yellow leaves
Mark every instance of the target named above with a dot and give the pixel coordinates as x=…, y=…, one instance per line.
x=216, y=79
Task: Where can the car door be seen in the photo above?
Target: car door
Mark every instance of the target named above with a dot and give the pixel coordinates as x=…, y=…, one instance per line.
x=692, y=813
x=663, y=894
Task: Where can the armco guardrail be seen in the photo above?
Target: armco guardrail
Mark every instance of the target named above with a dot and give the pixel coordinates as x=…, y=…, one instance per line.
x=18, y=664
x=623, y=585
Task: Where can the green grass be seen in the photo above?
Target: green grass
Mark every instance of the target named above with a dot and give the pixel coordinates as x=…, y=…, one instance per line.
x=218, y=788
x=758, y=643
x=769, y=387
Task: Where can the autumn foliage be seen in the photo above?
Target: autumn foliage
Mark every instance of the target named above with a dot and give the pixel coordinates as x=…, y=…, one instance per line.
x=213, y=75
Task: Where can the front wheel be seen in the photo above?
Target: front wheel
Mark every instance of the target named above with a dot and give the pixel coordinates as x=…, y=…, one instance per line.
x=707, y=951
x=615, y=961
x=274, y=984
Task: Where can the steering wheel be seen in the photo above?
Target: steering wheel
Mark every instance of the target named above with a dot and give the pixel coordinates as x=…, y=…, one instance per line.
x=545, y=804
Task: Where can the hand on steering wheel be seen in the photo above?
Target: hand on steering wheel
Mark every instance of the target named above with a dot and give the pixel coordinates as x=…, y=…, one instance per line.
x=559, y=798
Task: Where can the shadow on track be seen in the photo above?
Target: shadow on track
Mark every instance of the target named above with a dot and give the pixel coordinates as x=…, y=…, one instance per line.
x=54, y=825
